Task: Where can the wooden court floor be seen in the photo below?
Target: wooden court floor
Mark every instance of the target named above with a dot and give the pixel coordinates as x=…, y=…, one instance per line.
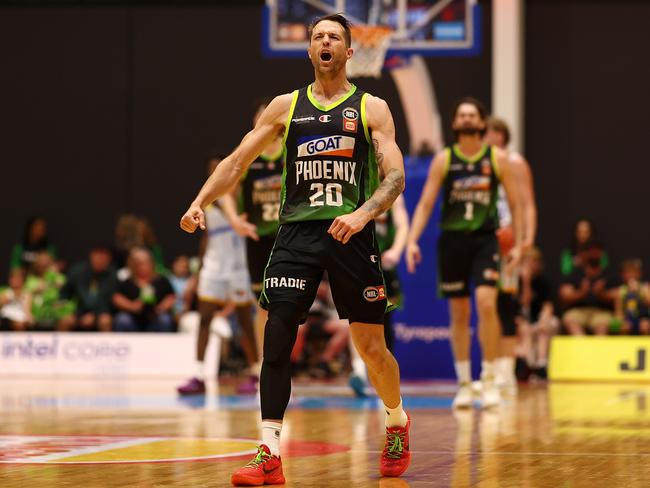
x=106, y=434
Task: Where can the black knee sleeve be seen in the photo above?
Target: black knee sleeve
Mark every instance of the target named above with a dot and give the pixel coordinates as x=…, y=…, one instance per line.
x=279, y=337
x=507, y=306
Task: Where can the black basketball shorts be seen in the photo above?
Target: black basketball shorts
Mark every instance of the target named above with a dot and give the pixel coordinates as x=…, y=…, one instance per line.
x=464, y=258
x=304, y=250
x=257, y=255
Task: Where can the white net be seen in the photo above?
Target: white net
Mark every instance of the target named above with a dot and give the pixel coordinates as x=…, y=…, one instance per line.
x=370, y=44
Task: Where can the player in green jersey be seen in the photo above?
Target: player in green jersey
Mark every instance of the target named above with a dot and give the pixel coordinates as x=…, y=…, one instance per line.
x=469, y=174
x=253, y=210
x=339, y=142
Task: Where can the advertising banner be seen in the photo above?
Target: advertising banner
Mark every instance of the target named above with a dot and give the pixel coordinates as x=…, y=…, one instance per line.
x=97, y=354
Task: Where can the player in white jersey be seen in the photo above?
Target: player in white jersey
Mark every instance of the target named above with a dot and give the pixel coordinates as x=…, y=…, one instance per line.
x=498, y=134
x=223, y=280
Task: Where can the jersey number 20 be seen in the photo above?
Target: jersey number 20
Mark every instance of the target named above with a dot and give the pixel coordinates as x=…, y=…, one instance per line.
x=333, y=195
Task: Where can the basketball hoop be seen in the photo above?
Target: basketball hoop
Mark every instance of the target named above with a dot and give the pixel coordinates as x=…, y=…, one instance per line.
x=370, y=43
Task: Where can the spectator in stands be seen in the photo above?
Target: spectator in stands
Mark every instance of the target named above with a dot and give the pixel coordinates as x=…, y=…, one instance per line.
x=127, y=236
x=588, y=294
x=15, y=303
x=44, y=284
x=323, y=315
x=35, y=239
x=91, y=284
x=538, y=323
x=632, y=299
x=583, y=232
x=145, y=301
x=150, y=241
x=183, y=283
x=132, y=231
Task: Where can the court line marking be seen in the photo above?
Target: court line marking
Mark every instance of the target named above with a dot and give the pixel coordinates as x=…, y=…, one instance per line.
x=92, y=449
x=54, y=458
x=518, y=453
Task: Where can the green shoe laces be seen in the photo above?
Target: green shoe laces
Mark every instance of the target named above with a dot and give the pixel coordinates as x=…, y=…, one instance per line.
x=259, y=458
x=395, y=443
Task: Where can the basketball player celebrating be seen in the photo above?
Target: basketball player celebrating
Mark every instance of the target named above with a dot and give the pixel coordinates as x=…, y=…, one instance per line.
x=337, y=140
x=498, y=134
x=469, y=173
x=223, y=278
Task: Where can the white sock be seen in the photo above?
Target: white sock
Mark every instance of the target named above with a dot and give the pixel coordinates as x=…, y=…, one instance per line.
x=396, y=417
x=200, y=370
x=359, y=367
x=507, y=367
x=271, y=436
x=463, y=372
x=488, y=369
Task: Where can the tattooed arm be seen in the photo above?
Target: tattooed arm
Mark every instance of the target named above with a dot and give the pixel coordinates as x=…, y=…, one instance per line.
x=391, y=169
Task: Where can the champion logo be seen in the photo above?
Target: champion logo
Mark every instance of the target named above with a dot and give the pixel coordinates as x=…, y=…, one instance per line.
x=325, y=118
x=373, y=258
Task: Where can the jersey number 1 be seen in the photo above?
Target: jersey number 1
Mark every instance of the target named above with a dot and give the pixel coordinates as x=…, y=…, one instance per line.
x=333, y=195
x=469, y=211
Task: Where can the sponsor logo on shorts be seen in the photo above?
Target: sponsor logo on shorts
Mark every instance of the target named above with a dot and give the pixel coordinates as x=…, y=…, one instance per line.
x=350, y=118
x=282, y=282
x=374, y=293
x=452, y=286
x=491, y=274
x=324, y=118
x=326, y=146
x=373, y=258
x=303, y=119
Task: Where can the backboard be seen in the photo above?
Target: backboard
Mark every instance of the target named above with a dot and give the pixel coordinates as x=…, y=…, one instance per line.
x=426, y=27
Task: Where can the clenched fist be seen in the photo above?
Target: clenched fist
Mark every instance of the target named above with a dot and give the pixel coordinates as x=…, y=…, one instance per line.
x=193, y=218
x=345, y=226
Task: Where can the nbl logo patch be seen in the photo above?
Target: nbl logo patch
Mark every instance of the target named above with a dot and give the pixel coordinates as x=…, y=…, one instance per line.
x=374, y=293
x=350, y=119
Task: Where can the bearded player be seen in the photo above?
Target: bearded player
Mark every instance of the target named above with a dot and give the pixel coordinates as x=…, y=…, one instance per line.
x=469, y=174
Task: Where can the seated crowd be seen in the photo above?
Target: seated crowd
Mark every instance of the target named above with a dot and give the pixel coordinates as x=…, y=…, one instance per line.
x=127, y=288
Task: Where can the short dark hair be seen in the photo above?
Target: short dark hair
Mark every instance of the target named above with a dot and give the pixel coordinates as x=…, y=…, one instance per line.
x=472, y=101
x=501, y=126
x=635, y=264
x=339, y=19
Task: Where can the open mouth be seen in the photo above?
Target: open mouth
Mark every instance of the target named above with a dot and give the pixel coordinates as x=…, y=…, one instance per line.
x=326, y=56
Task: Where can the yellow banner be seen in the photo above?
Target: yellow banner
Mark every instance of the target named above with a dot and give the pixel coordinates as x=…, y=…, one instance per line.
x=600, y=358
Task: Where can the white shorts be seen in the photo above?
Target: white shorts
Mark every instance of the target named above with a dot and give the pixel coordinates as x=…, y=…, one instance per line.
x=217, y=288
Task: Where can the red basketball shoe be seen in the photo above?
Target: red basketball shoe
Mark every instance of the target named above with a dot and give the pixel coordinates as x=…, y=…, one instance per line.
x=263, y=469
x=396, y=456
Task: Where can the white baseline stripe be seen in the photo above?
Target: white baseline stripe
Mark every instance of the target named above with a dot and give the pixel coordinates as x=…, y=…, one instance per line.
x=92, y=449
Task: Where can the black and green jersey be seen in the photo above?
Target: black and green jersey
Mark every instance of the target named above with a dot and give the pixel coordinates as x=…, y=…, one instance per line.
x=260, y=193
x=330, y=167
x=470, y=191
x=385, y=231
